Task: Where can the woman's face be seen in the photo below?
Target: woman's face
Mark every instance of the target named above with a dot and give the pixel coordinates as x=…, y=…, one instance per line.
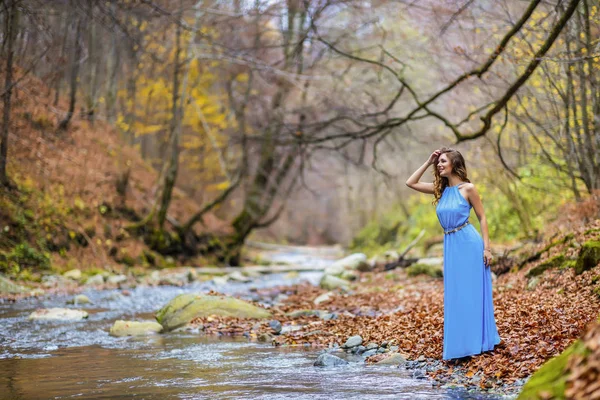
x=444, y=166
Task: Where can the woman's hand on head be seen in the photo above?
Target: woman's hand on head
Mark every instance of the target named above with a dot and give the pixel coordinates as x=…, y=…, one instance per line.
x=433, y=157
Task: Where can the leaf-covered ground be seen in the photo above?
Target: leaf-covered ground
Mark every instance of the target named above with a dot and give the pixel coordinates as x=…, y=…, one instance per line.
x=534, y=324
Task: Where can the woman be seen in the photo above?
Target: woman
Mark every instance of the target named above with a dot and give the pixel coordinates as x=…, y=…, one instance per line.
x=469, y=325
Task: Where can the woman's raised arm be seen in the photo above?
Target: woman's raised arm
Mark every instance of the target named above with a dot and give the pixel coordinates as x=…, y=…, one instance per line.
x=413, y=181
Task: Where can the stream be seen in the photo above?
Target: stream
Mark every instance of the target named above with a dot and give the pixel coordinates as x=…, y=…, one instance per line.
x=61, y=360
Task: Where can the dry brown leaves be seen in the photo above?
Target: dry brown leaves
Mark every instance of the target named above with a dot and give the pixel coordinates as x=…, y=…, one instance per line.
x=584, y=379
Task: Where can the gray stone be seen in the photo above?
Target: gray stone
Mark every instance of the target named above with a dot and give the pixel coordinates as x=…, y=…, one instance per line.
x=325, y=316
x=329, y=360
x=63, y=314
x=369, y=353
x=360, y=349
x=135, y=328
x=276, y=326
x=393, y=359
x=372, y=346
x=353, y=341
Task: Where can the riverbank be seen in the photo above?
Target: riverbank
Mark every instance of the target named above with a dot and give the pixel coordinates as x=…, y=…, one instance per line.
x=540, y=309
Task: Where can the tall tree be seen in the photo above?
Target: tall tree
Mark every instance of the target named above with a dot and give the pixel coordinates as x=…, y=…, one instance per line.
x=11, y=27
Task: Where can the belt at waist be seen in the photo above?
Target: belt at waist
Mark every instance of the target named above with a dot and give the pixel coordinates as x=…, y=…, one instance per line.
x=456, y=229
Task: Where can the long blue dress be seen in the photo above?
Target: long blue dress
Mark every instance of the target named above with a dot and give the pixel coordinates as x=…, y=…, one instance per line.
x=469, y=324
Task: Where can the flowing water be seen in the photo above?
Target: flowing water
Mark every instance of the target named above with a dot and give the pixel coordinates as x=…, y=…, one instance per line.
x=61, y=360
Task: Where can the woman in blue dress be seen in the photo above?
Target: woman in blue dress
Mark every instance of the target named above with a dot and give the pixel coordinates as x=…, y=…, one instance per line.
x=469, y=324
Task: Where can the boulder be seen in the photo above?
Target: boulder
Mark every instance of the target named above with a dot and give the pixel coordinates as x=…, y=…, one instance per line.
x=184, y=308
x=331, y=282
x=329, y=360
x=9, y=287
x=135, y=328
x=63, y=314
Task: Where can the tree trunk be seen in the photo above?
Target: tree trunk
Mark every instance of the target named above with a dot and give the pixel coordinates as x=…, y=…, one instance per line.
x=111, y=82
x=12, y=25
x=64, y=124
x=93, y=63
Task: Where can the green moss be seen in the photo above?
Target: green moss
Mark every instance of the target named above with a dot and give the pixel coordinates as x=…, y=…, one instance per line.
x=597, y=291
x=553, y=262
x=549, y=380
x=596, y=279
x=589, y=256
x=568, y=264
x=424, y=269
x=22, y=256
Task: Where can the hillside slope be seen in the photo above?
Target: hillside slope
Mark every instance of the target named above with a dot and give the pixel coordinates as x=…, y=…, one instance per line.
x=65, y=209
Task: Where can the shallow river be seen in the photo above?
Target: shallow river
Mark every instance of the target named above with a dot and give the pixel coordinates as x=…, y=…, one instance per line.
x=54, y=360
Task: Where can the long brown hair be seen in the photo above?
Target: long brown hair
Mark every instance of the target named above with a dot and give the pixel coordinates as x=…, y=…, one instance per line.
x=458, y=167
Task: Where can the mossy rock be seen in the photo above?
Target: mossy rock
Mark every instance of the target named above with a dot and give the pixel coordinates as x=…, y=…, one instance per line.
x=184, y=308
x=425, y=269
x=550, y=263
x=548, y=382
x=589, y=256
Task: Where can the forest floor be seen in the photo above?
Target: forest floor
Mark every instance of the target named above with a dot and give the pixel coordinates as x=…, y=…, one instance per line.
x=537, y=317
